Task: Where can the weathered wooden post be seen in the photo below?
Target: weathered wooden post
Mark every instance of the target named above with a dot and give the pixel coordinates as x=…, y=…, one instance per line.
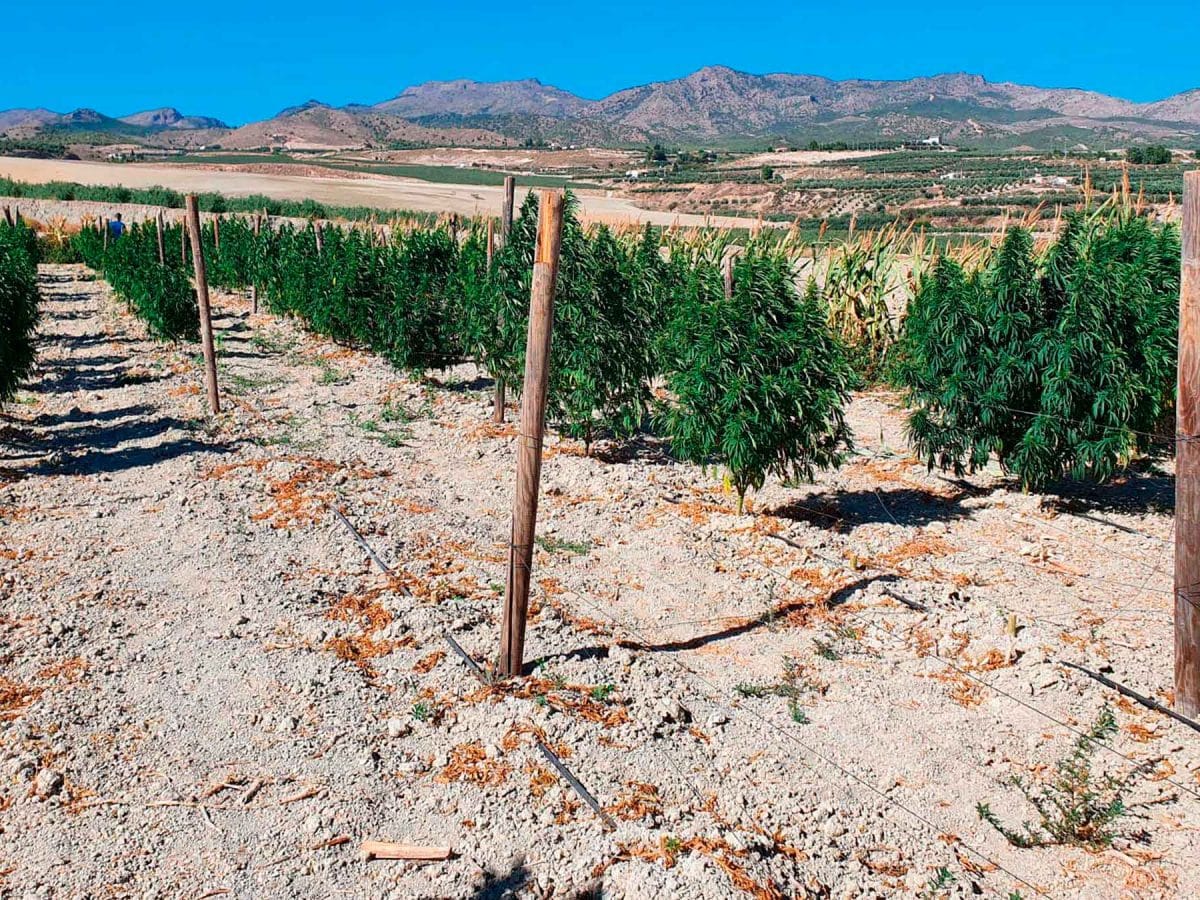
x=506, y=220
x=162, y=250
x=320, y=237
x=532, y=428
x=216, y=234
x=254, y=287
x=732, y=252
x=206, y=333
x=1187, y=464
x=104, y=233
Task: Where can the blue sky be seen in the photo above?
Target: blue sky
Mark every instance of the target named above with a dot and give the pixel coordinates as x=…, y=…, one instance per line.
x=247, y=59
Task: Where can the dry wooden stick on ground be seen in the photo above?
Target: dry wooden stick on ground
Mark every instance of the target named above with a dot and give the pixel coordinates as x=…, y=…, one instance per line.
x=388, y=850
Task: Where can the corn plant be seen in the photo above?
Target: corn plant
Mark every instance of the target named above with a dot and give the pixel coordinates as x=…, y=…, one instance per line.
x=861, y=275
x=761, y=382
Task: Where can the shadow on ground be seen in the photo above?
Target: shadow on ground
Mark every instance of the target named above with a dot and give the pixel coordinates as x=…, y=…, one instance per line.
x=844, y=510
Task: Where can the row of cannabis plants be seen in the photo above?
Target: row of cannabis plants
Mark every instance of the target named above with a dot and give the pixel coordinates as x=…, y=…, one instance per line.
x=755, y=381
x=18, y=306
x=1058, y=360
x=161, y=294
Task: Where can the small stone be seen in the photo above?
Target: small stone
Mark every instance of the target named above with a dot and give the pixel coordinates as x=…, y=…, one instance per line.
x=47, y=783
x=397, y=728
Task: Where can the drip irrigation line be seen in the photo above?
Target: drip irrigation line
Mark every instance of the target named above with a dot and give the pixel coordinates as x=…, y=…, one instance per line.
x=362, y=542
x=552, y=757
x=1106, y=550
x=950, y=664
x=720, y=702
x=789, y=735
x=947, y=662
x=1134, y=695
x=1097, y=578
x=981, y=681
x=1135, y=597
x=485, y=677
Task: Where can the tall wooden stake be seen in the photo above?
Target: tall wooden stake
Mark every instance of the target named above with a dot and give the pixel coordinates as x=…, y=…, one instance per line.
x=506, y=220
x=1187, y=464
x=183, y=240
x=162, y=250
x=216, y=234
x=206, y=333
x=254, y=287
x=320, y=237
x=532, y=428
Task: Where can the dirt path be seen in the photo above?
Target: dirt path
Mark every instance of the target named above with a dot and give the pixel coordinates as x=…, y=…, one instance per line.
x=207, y=688
x=376, y=191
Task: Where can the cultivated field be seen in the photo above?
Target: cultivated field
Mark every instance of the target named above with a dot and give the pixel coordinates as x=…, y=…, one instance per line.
x=337, y=188
x=212, y=681
x=837, y=542
x=209, y=688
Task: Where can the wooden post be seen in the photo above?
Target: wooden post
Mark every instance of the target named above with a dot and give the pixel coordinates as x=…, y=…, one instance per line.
x=506, y=211
x=506, y=220
x=104, y=232
x=320, y=238
x=532, y=428
x=732, y=252
x=206, y=334
x=162, y=250
x=254, y=287
x=1187, y=464
x=216, y=234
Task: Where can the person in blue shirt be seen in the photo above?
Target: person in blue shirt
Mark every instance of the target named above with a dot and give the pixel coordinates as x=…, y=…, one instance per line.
x=116, y=227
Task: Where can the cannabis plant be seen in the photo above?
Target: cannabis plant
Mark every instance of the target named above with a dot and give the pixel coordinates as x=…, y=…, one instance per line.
x=18, y=307
x=1058, y=363
x=159, y=294
x=761, y=382
x=606, y=316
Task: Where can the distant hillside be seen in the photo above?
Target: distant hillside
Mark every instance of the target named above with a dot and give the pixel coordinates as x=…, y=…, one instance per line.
x=314, y=125
x=472, y=98
x=169, y=117
x=713, y=106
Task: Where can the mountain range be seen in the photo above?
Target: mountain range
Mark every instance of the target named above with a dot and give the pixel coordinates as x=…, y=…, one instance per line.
x=714, y=106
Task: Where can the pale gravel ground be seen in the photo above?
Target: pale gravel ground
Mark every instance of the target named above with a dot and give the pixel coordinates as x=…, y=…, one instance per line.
x=167, y=614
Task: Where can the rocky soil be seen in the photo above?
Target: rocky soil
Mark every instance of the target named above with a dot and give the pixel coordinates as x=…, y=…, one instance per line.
x=208, y=689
